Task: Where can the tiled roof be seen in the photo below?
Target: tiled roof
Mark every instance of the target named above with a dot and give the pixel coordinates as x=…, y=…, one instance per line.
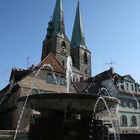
x=53, y=62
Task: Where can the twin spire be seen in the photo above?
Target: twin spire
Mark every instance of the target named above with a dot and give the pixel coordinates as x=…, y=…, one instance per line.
x=58, y=19
x=78, y=39
x=57, y=27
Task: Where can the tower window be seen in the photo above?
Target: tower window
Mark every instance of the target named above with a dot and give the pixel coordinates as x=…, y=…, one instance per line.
x=85, y=58
x=63, y=63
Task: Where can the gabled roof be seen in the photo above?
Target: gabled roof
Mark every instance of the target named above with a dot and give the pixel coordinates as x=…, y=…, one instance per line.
x=18, y=74
x=128, y=78
x=53, y=63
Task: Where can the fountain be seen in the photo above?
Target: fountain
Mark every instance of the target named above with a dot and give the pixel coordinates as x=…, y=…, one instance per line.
x=69, y=74
x=67, y=116
x=28, y=94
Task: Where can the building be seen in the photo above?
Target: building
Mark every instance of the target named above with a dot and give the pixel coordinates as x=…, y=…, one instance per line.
x=126, y=115
x=50, y=74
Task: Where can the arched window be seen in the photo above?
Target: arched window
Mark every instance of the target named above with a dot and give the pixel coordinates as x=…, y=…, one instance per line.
x=123, y=120
x=85, y=58
x=133, y=121
x=63, y=44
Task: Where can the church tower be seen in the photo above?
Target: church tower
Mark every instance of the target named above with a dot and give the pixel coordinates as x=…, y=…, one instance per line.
x=80, y=54
x=56, y=40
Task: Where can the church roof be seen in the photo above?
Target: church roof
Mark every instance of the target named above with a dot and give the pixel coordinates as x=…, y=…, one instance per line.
x=58, y=19
x=78, y=39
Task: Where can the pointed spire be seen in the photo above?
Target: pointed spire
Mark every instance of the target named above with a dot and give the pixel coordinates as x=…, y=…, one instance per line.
x=78, y=39
x=57, y=26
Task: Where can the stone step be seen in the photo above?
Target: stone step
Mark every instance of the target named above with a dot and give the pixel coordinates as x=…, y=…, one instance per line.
x=6, y=137
x=6, y=132
x=9, y=135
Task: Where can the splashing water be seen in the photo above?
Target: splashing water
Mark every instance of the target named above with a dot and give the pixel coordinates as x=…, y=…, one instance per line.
x=55, y=78
x=24, y=105
x=48, y=65
x=69, y=74
x=108, y=111
x=7, y=93
x=117, y=122
x=103, y=91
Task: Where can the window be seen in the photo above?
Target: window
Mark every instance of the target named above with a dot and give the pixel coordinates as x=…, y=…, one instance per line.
x=133, y=121
x=85, y=58
x=139, y=89
x=127, y=86
x=62, y=80
x=123, y=120
x=74, y=79
x=58, y=79
x=49, y=78
x=85, y=71
x=55, y=79
x=132, y=87
x=35, y=91
x=123, y=103
x=122, y=86
x=63, y=63
x=81, y=79
x=52, y=78
x=38, y=91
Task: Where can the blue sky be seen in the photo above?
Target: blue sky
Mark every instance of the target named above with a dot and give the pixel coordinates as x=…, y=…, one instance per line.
x=112, y=32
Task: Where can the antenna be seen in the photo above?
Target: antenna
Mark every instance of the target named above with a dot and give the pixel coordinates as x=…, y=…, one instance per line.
x=28, y=61
x=111, y=63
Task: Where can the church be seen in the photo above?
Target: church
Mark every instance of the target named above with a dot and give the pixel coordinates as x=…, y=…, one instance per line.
x=49, y=76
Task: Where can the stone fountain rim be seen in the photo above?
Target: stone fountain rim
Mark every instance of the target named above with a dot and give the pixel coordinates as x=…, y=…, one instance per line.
x=66, y=101
x=67, y=96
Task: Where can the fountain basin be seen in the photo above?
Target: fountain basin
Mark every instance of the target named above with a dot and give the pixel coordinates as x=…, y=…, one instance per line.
x=67, y=101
